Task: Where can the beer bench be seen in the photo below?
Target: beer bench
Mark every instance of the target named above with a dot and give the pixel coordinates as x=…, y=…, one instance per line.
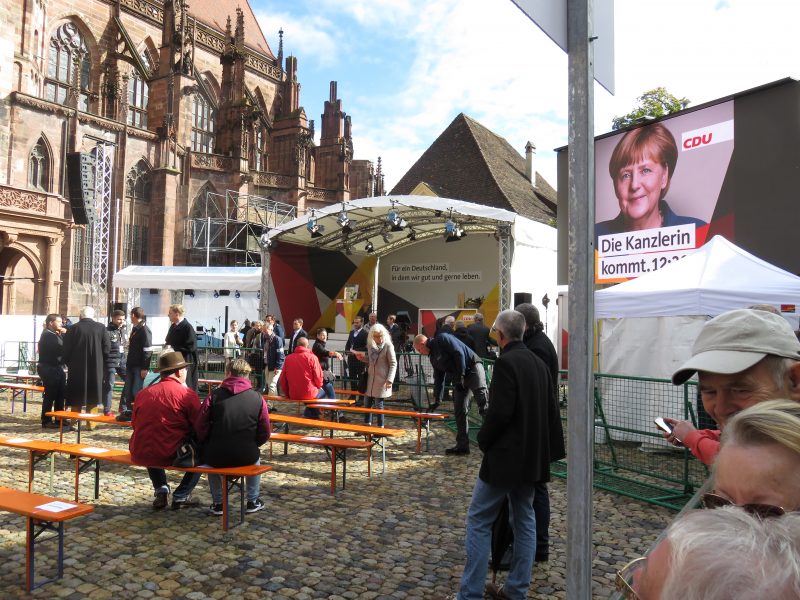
x=43, y=514
x=20, y=389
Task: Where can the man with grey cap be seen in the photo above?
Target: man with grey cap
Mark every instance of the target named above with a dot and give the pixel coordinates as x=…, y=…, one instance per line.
x=741, y=357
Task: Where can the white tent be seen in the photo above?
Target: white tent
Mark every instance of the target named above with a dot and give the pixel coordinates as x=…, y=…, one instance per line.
x=647, y=326
x=244, y=279
x=715, y=278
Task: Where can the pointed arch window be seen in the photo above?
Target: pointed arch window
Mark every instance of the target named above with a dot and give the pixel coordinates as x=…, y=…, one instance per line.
x=136, y=219
x=202, y=125
x=39, y=167
x=67, y=66
x=138, y=92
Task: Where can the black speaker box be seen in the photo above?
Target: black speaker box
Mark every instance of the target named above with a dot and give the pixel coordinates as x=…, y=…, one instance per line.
x=80, y=178
x=522, y=298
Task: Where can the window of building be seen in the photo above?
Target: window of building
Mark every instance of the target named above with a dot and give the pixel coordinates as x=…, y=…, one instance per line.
x=39, y=167
x=67, y=49
x=137, y=100
x=202, y=125
x=259, y=156
x=136, y=220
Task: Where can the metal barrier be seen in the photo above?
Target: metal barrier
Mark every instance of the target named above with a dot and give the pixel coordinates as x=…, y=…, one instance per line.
x=631, y=457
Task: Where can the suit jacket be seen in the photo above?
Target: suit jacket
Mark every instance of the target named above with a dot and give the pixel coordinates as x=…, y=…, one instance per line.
x=183, y=339
x=293, y=339
x=516, y=435
x=481, y=338
x=86, y=350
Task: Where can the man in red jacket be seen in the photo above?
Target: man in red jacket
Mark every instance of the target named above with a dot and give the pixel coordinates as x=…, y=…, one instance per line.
x=301, y=378
x=162, y=420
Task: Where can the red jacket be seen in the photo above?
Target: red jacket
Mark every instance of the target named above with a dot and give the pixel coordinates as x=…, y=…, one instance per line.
x=301, y=377
x=704, y=444
x=162, y=420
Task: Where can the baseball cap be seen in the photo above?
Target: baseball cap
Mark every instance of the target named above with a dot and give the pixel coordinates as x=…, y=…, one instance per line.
x=736, y=340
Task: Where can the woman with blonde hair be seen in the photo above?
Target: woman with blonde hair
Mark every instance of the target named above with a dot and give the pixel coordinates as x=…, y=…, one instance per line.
x=382, y=364
x=759, y=459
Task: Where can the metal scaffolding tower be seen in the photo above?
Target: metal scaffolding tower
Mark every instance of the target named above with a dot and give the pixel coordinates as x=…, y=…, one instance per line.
x=231, y=224
x=101, y=232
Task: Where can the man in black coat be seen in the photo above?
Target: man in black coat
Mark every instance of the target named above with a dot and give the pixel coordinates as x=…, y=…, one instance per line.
x=86, y=350
x=515, y=440
x=481, y=337
x=182, y=337
x=356, y=342
x=51, y=368
x=297, y=333
x=137, y=362
x=536, y=341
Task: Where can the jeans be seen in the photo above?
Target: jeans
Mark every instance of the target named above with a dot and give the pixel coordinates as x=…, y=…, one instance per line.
x=54, y=381
x=476, y=383
x=134, y=382
x=541, y=508
x=486, y=502
x=185, y=487
x=108, y=387
x=326, y=391
x=252, y=484
x=374, y=403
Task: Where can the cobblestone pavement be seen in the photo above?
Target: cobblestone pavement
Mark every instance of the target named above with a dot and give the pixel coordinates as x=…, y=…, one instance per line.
x=392, y=536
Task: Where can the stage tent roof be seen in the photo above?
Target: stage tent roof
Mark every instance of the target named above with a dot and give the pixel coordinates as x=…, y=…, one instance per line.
x=713, y=279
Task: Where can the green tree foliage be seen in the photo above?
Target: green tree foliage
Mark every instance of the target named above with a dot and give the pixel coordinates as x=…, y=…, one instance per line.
x=651, y=105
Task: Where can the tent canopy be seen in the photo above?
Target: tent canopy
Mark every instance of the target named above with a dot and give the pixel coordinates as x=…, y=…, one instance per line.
x=425, y=216
x=244, y=279
x=713, y=279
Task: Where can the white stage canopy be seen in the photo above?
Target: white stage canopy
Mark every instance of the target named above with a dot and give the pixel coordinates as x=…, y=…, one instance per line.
x=243, y=279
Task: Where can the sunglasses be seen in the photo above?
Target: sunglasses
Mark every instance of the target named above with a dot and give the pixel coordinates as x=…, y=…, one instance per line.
x=625, y=574
x=764, y=511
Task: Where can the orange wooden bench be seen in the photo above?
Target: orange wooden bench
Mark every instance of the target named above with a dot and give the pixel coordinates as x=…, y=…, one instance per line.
x=42, y=514
x=89, y=457
x=390, y=412
x=38, y=450
x=372, y=434
x=20, y=389
x=337, y=448
x=78, y=418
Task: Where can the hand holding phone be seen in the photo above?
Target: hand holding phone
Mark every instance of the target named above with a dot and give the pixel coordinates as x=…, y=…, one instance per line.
x=662, y=425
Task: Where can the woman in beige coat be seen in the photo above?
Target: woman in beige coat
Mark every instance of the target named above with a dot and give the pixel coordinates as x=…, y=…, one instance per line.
x=382, y=364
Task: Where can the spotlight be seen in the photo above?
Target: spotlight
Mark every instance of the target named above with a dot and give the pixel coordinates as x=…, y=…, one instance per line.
x=345, y=222
x=189, y=293
x=267, y=243
x=258, y=295
x=216, y=294
x=387, y=237
x=314, y=228
x=412, y=235
x=347, y=250
x=369, y=248
x=237, y=294
x=396, y=222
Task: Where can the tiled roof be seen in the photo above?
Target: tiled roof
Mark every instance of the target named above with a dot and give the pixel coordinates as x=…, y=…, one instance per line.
x=470, y=162
x=215, y=13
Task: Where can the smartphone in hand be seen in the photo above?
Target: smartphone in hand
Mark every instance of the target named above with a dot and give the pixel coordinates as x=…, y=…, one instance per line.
x=662, y=425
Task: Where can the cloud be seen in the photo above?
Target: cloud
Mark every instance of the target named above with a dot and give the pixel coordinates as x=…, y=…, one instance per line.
x=309, y=37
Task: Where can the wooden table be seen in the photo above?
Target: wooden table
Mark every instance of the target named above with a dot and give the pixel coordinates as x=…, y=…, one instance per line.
x=18, y=389
x=79, y=417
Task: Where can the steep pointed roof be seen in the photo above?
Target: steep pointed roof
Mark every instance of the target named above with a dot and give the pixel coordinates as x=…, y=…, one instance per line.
x=215, y=13
x=470, y=162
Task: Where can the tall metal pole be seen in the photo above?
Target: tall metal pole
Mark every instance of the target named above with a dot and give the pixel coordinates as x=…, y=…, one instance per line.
x=580, y=411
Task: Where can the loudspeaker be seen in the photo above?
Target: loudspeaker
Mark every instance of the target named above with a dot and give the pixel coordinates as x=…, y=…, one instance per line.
x=522, y=298
x=123, y=306
x=80, y=178
x=224, y=292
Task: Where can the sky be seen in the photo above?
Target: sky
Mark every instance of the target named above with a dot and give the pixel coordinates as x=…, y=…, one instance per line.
x=406, y=68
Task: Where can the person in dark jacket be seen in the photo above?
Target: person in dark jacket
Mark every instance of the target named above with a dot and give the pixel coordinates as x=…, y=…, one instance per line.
x=481, y=337
x=51, y=369
x=116, y=357
x=515, y=440
x=182, y=338
x=451, y=359
x=356, y=342
x=274, y=358
x=233, y=423
x=137, y=362
x=463, y=335
x=297, y=333
x=86, y=350
x=536, y=341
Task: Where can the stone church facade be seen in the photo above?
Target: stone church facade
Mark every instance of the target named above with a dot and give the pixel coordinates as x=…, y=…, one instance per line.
x=197, y=122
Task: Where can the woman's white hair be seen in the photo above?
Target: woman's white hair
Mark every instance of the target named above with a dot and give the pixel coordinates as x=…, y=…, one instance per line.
x=374, y=330
x=728, y=554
